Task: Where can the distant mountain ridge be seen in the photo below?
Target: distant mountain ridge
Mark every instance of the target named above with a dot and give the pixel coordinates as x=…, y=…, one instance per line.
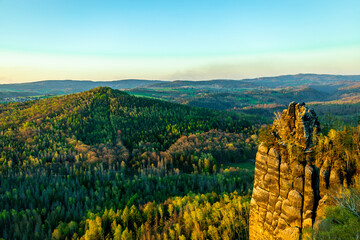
x=56, y=87
x=304, y=79
x=283, y=81
x=325, y=83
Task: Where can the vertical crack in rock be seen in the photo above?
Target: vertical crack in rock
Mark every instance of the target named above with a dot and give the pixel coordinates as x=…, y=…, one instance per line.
x=315, y=184
x=303, y=210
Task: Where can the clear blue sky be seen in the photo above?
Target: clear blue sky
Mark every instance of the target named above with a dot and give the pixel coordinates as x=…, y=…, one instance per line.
x=107, y=40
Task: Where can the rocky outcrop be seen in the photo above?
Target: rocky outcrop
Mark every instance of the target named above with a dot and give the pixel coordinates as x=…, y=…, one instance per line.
x=289, y=189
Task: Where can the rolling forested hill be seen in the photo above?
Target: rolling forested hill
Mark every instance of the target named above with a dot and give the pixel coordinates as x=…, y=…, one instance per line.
x=105, y=164
x=337, y=95
x=102, y=116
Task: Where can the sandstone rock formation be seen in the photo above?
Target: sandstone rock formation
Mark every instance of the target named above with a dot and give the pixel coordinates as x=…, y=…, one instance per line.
x=289, y=188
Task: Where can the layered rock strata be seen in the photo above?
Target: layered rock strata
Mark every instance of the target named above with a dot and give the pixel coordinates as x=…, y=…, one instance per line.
x=288, y=189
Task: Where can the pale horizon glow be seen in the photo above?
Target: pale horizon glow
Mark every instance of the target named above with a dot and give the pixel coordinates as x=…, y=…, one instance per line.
x=165, y=40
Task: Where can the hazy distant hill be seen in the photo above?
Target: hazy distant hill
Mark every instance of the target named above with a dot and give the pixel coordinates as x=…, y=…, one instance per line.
x=320, y=82
x=247, y=95
x=56, y=87
x=263, y=96
x=218, y=83
x=304, y=80
x=299, y=80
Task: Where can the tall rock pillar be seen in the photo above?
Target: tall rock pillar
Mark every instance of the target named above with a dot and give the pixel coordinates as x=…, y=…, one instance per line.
x=285, y=195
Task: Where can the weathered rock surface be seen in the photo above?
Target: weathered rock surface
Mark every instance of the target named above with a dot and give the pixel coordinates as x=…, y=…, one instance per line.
x=289, y=188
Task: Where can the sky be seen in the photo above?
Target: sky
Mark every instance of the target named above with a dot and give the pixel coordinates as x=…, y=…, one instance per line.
x=176, y=39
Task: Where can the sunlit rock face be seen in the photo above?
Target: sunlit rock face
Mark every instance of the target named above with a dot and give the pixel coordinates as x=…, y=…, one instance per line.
x=288, y=187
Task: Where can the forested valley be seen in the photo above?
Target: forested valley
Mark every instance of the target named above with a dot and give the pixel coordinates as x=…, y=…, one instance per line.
x=106, y=165
x=103, y=164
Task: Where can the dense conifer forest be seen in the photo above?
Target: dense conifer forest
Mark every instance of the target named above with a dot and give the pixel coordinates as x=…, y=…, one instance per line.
x=103, y=164
x=106, y=165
